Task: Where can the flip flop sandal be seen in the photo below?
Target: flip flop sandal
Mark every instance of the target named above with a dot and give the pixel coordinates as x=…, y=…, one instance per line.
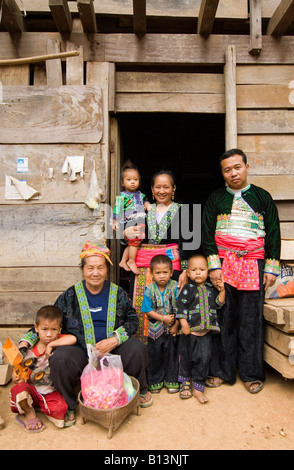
x=185, y=387
x=69, y=422
x=31, y=422
x=254, y=390
x=210, y=382
x=146, y=403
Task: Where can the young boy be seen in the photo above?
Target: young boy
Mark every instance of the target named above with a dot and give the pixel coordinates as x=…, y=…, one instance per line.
x=38, y=390
x=197, y=312
x=159, y=303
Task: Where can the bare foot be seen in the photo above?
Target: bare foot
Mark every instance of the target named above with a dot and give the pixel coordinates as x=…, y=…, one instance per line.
x=201, y=397
x=133, y=267
x=124, y=265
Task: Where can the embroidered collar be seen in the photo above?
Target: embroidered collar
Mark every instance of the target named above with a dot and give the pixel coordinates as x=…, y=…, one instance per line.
x=234, y=191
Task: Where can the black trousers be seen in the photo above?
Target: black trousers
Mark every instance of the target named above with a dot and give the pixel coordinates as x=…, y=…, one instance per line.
x=68, y=362
x=194, y=359
x=162, y=362
x=239, y=346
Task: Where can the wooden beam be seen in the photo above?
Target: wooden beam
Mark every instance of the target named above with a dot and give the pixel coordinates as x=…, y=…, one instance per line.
x=255, y=27
x=87, y=15
x=230, y=98
x=282, y=18
x=61, y=14
x=12, y=17
x=206, y=16
x=139, y=19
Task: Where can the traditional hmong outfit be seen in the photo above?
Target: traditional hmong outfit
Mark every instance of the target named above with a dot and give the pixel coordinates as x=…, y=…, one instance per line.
x=164, y=237
x=198, y=305
x=241, y=235
x=162, y=346
x=129, y=211
x=90, y=323
x=39, y=390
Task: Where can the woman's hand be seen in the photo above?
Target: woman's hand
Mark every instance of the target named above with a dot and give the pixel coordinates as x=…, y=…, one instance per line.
x=107, y=345
x=183, y=279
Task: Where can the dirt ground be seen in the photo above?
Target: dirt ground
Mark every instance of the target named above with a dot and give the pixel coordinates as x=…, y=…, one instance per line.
x=232, y=420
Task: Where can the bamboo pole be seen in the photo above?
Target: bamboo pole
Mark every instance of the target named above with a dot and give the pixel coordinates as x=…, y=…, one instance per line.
x=38, y=58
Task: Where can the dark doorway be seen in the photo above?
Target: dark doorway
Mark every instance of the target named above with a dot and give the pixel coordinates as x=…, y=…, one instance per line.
x=187, y=144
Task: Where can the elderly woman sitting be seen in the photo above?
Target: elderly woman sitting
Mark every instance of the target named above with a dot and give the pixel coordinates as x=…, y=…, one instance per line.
x=100, y=313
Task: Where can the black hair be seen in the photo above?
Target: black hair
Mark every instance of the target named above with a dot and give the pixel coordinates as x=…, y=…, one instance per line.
x=49, y=312
x=163, y=172
x=230, y=153
x=161, y=259
x=128, y=165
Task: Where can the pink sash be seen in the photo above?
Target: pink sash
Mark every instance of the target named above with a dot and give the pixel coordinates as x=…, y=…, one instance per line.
x=146, y=252
x=239, y=267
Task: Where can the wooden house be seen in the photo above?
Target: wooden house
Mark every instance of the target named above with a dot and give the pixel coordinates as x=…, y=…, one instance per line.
x=168, y=83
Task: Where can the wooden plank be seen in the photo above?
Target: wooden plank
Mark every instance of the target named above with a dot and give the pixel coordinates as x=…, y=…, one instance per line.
x=11, y=17
x=103, y=74
x=51, y=114
x=47, y=234
x=287, y=307
x=170, y=102
x=265, y=122
x=18, y=308
x=14, y=333
x=287, y=249
x=53, y=67
x=279, y=340
x=282, y=18
x=139, y=17
x=280, y=187
x=61, y=14
x=15, y=76
x=286, y=210
x=265, y=74
x=74, y=66
x=287, y=230
x=207, y=13
x=278, y=361
x=268, y=7
x=166, y=8
x=265, y=96
x=38, y=278
x=87, y=15
x=230, y=98
x=274, y=314
x=44, y=174
x=255, y=27
x=153, y=82
x=155, y=48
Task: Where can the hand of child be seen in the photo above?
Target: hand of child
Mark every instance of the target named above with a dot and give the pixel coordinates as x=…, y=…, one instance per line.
x=114, y=226
x=174, y=329
x=168, y=319
x=49, y=350
x=16, y=379
x=147, y=206
x=220, y=285
x=185, y=327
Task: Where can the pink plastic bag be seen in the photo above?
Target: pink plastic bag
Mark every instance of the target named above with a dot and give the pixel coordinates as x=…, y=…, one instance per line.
x=102, y=381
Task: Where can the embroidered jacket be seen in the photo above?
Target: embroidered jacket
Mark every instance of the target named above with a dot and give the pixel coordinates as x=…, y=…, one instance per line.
x=199, y=305
x=163, y=306
x=122, y=319
x=262, y=221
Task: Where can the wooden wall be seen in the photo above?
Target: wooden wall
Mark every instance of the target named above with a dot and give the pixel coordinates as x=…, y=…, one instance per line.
x=265, y=117
x=41, y=238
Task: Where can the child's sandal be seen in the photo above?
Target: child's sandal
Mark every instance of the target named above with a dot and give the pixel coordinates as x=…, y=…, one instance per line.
x=185, y=387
